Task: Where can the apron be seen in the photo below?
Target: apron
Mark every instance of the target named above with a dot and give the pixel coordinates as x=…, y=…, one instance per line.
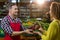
x=15, y=27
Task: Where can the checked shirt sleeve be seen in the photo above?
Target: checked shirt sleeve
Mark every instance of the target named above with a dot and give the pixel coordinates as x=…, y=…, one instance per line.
x=6, y=26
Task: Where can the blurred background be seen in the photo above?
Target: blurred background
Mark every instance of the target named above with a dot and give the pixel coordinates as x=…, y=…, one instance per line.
x=30, y=11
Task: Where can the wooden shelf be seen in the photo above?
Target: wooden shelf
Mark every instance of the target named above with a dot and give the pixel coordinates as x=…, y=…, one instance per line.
x=26, y=8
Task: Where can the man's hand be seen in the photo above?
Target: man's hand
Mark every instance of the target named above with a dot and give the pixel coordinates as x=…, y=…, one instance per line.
x=29, y=31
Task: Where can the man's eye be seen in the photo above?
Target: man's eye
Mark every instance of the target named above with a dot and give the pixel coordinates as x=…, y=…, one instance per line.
x=16, y=8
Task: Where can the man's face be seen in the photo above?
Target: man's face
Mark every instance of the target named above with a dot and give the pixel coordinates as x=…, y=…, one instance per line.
x=14, y=10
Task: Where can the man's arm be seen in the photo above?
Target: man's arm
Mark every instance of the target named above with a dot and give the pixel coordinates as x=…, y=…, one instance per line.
x=22, y=27
x=7, y=28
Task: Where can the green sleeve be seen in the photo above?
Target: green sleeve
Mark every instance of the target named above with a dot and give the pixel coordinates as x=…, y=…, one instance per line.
x=51, y=32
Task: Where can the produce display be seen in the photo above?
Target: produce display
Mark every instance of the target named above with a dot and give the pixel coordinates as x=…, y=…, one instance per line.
x=27, y=24
x=1, y=33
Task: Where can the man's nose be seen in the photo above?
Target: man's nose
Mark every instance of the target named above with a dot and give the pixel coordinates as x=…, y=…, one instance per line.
x=17, y=10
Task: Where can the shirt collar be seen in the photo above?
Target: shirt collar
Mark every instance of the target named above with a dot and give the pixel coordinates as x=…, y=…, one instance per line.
x=12, y=18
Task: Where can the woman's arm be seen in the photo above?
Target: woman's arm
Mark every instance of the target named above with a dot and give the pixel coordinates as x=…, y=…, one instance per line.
x=51, y=32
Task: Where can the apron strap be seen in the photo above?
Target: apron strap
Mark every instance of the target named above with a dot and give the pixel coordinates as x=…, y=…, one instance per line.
x=9, y=18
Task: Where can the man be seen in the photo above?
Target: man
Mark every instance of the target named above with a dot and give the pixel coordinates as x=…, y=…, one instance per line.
x=11, y=24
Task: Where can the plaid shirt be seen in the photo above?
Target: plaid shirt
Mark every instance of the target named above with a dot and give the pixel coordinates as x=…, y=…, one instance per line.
x=6, y=26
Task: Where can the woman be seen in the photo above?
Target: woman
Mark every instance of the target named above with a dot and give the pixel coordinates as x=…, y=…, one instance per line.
x=53, y=32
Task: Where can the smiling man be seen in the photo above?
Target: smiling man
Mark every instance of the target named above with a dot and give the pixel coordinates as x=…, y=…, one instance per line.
x=11, y=24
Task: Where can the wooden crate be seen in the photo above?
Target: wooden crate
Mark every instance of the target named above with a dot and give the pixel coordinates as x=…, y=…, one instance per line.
x=28, y=38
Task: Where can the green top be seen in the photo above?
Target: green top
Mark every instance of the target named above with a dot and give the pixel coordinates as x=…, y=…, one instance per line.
x=53, y=32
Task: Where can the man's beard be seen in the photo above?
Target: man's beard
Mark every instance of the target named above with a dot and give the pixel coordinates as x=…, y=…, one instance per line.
x=16, y=15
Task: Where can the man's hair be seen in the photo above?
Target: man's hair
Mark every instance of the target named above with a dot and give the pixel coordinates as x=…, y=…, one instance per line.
x=55, y=10
x=10, y=5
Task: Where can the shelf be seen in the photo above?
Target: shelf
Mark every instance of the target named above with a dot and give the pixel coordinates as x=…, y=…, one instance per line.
x=28, y=9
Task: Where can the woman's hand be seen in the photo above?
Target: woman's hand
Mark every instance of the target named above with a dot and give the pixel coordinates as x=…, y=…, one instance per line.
x=37, y=33
x=41, y=29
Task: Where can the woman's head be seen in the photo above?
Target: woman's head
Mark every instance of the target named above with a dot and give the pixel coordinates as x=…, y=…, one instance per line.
x=55, y=10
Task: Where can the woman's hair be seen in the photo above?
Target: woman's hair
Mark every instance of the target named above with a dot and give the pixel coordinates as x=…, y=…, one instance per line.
x=55, y=10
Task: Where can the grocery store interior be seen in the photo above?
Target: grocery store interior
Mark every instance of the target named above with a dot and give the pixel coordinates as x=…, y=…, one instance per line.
x=30, y=12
